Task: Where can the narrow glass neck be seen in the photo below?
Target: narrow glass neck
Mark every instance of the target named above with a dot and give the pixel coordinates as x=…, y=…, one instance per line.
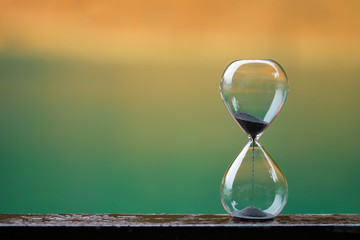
x=256, y=139
x=253, y=143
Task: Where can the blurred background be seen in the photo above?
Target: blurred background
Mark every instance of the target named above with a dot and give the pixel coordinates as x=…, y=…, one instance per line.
x=114, y=106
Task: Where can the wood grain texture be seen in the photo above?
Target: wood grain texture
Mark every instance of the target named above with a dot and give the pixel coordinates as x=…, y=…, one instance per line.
x=175, y=226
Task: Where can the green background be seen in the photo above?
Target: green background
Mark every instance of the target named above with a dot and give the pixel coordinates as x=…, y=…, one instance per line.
x=83, y=136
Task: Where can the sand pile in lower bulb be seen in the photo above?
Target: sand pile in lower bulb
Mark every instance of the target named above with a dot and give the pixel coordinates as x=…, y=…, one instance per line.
x=252, y=213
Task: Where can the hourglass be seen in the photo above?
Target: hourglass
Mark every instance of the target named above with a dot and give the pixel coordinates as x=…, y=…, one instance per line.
x=254, y=92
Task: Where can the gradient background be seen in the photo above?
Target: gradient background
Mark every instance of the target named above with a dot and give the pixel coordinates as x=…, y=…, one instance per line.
x=114, y=106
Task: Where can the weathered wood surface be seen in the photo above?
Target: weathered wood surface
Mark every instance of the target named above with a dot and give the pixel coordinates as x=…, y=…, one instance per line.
x=175, y=226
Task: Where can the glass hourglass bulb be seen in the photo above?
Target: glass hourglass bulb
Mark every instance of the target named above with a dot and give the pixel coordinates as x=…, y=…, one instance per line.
x=254, y=92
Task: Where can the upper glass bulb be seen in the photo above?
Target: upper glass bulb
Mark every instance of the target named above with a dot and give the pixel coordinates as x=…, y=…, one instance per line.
x=254, y=92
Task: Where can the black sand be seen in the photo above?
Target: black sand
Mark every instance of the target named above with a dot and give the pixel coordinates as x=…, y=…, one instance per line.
x=251, y=124
x=252, y=213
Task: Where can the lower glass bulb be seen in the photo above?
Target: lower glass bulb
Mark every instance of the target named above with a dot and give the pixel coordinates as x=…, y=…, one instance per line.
x=253, y=186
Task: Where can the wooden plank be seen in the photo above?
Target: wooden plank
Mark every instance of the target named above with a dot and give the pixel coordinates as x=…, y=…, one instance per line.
x=175, y=226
